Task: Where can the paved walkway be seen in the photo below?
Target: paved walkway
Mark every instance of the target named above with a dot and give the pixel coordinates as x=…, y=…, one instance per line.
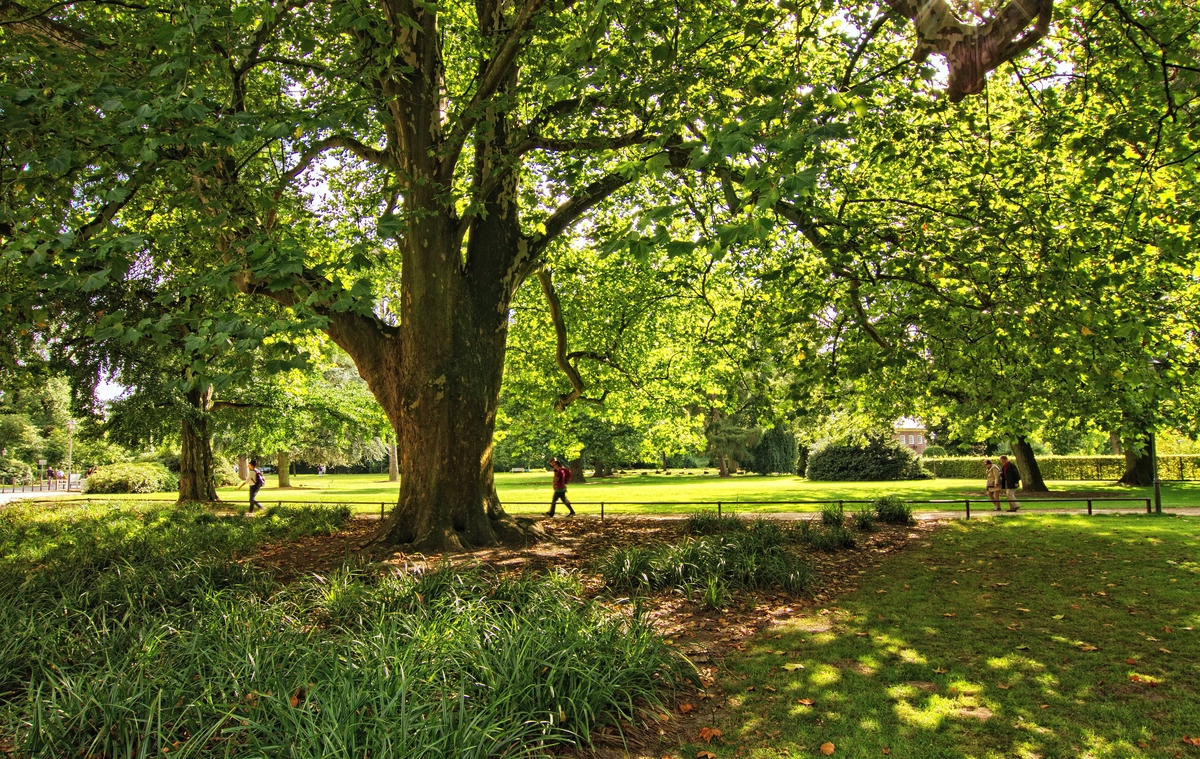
x=36, y=495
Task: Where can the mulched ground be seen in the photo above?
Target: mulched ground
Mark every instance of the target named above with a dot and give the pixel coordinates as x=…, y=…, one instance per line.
x=705, y=636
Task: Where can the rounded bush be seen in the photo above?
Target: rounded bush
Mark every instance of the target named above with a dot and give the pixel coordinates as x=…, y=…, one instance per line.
x=14, y=471
x=131, y=478
x=933, y=450
x=878, y=457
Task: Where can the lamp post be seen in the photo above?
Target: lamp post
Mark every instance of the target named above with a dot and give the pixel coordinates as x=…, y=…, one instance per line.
x=71, y=424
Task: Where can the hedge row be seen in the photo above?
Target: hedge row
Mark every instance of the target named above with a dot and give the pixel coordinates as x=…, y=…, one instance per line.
x=1174, y=467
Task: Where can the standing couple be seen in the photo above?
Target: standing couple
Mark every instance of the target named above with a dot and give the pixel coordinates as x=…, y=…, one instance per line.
x=1004, y=477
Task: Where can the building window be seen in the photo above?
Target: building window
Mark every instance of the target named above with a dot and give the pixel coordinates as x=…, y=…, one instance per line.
x=920, y=440
x=910, y=439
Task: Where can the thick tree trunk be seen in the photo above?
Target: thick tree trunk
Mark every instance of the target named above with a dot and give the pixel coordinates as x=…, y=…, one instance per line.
x=196, y=457
x=600, y=469
x=283, y=469
x=1031, y=473
x=577, y=474
x=1139, y=467
x=243, y=467
x=1114, y=442
x=723, y=465
x=393, y=464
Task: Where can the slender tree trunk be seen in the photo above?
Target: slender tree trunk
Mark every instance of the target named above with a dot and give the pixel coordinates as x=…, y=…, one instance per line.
x=722, y=465
x=283, y=469
x=243, y=467
x=393, y=464
x=1031, y=473
x=664, y=462
x=1139, y=467
x=196, y=457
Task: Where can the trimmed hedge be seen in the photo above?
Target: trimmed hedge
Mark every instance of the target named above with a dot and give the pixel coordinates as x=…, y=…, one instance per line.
x=131, y=478
x=1173, y=467
x=878, y=458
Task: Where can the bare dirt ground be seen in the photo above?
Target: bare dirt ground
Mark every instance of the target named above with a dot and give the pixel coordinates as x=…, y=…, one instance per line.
x=704, y=635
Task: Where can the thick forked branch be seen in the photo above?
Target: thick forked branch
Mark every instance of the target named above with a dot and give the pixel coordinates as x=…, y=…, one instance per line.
x=19, y=20
x=560, y=334
x=495, y=74
x=586, y=143
x=972, y=51
x=369, y=154
x=570, y=211
x=860, y=316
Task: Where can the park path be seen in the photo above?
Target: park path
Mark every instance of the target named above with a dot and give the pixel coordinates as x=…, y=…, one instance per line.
x=37, y=495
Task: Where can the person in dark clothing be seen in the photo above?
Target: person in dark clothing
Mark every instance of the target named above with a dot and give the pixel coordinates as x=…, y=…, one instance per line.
x=562, y=475
x=1010, y=480
x=255, y=480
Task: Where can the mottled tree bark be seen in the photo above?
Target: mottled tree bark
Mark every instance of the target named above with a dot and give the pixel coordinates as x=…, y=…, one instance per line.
x=393, y=464
x=196, y=457
x=577, y=474
x=1139, y=467
x=243, y=467
x=283, y=468
x=1031, y=473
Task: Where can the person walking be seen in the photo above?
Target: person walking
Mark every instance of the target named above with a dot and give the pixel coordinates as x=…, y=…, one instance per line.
x=562, y=475
x=994, y=485
x=255, y=480
x=1010, y=480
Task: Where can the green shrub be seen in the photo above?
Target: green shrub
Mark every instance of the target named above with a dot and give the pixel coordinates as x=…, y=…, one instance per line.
x=131, y=478
x=833, y=514
x=891, y=509
x=933, y=450
x=876, y=457
x=864, y=519
x=17, y=472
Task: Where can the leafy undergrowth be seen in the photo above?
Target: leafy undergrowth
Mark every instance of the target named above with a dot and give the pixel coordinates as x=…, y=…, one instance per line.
x=730, y=554
x=131, y=631
x=1027, y=637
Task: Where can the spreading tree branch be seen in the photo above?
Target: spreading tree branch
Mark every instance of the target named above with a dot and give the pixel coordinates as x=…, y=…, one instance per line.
x=560, y=334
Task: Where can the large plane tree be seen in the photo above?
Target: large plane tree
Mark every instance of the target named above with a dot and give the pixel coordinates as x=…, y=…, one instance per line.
x=396, y=168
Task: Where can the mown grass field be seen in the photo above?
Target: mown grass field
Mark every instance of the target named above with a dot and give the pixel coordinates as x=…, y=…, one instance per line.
x=529, y=493
x=1042, y=636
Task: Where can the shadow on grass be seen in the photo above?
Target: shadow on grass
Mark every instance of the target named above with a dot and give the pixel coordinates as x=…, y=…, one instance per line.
x=1038, y=637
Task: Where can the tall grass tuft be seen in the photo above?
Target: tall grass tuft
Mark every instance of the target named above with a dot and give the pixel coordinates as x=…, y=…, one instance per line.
x=131, y=632
x=892, y=509
x=751, y=556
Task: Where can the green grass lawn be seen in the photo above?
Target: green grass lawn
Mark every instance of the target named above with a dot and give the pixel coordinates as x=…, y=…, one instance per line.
x=1041, y=636
x=530, y=492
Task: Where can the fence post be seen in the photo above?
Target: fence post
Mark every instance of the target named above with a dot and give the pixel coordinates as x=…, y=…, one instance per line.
x=1089, y=507
x=718, y=508
x=602, y=511
x=1147, y=505
x=968, y=502
x=381, y=505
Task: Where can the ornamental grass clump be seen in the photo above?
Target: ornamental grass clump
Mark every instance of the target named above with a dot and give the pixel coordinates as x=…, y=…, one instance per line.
x=754, y=556
x=134, y=632
x=892, y=509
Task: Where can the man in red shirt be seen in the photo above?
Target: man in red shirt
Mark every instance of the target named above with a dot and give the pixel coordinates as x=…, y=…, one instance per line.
x=562, y=475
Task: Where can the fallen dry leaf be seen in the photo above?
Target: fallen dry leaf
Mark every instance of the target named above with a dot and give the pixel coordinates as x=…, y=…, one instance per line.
x=1024, y=610
x=792, y=666
x=705, y=754
x=1165, y=650
x=827, y=748
x=805, y=701
x=887, y=751
x=685, y=708
x=1191, y=741
x=1003, y=686
x=1057, y=616
x=1045, y=706
x=1131, y=660
x=1167, y=629
x=768, y=687
x=1089, y=647
x=297, y=697
x=1022, y=648
x=940, y=671
x=950, y=615
x=709, y=734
